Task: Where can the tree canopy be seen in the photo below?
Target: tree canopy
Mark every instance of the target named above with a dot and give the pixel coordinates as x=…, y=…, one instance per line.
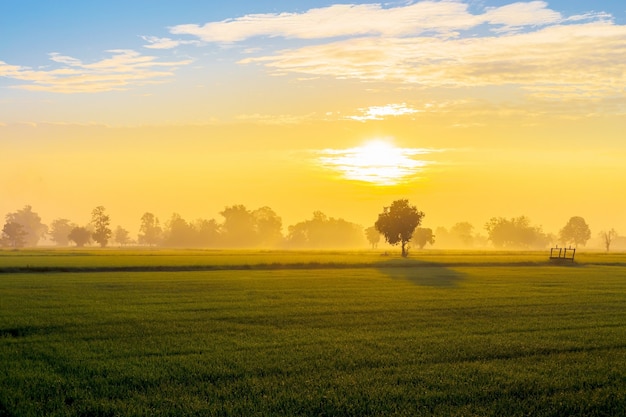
x=373, y=236
x=80, y=235
x=515, y=233
x=398, y=222
x=575, y=232
x=14, y=234
x=423, y=236
x=322, y=231
x=101, y=221
x=34, y=230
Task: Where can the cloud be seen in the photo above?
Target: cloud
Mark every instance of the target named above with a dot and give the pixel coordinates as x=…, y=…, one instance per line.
x=588, y=57
x=380, y=112
x=338, y=21
x=442, y=18
x=516, y=15
x=165, y=43
x=438, y=44
x=121, y=71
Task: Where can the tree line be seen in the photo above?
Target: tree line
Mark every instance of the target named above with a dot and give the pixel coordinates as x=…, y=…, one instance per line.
x=240, y=227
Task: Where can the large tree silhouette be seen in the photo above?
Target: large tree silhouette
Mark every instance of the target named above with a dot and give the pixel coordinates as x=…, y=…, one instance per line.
x=398, y=222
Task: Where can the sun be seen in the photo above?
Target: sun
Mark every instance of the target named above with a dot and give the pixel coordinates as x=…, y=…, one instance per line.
x=377, y=162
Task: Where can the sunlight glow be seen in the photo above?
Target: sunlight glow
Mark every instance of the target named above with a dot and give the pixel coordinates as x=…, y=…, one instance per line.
x=377, y=162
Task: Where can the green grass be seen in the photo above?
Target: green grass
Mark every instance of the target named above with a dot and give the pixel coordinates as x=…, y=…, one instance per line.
x=62, y=260
x=481, y=337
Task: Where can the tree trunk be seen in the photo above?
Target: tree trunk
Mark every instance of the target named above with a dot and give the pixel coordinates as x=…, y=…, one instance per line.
x=404, y=251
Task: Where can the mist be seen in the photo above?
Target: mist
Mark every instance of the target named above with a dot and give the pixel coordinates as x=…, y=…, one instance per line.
x=238, y=227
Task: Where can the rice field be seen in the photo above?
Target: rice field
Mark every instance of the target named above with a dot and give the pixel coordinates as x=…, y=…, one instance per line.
x=250, y=333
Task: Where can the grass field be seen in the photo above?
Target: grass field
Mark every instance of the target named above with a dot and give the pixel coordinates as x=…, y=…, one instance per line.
x=106, y=333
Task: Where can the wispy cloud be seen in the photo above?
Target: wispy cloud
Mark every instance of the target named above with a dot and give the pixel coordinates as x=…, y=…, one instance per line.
x=442, y=18
x=439, y=44
x=155, y=42
x=517, y=15
x=121, y=71
x=381, y=112
x=337, y=21
x=588, y=57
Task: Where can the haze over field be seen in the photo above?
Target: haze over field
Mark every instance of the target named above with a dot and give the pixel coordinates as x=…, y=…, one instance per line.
x=469, y=109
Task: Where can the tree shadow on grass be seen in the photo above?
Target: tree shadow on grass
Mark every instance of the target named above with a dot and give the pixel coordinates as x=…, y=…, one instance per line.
x=421, y=273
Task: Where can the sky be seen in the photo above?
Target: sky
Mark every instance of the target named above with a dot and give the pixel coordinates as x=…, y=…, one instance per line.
x=470, y=109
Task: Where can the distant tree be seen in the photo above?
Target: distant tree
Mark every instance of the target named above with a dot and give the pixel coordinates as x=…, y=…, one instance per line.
x=80, y=236
x=60, y=230
x=268, y=226
x=122, y=236
x=207, y=232
x=322, y=231
x=178, y=233
x=101, y=222
x=515, y=233
x=31, y=223
x=607, y=237
x=398, y=222
x=239, y=227
x=373, y=236
x=423, y=236
x=150, y=230
x=575, y=232
x=464, y=233
x=14, y=235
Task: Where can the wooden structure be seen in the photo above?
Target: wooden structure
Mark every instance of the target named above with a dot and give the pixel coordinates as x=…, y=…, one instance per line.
x=562, y=254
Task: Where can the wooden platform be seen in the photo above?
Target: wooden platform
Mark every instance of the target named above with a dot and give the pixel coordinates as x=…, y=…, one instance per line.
x=562, y=254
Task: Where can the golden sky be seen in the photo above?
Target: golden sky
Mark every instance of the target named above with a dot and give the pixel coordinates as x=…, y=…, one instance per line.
x=468, y=109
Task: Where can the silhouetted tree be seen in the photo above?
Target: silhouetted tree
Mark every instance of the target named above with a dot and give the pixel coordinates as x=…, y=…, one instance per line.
x=31, y=223
x=464, y=233
x=238, y=229
x=178, y=233
x=373, y=236
x=101, y=222
x=325, y=232
x=575, y=232
x=207, y=232
x=14, y=235
x=80, y=235
x=121, y=236
x=268, y=227
x=607, y=237
x=423, y=236
x=150, y=230
x=60, y=230
x=398, y=222
x=515, y=233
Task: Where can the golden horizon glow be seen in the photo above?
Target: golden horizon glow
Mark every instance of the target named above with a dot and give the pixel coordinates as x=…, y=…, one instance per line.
x=377, y=162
